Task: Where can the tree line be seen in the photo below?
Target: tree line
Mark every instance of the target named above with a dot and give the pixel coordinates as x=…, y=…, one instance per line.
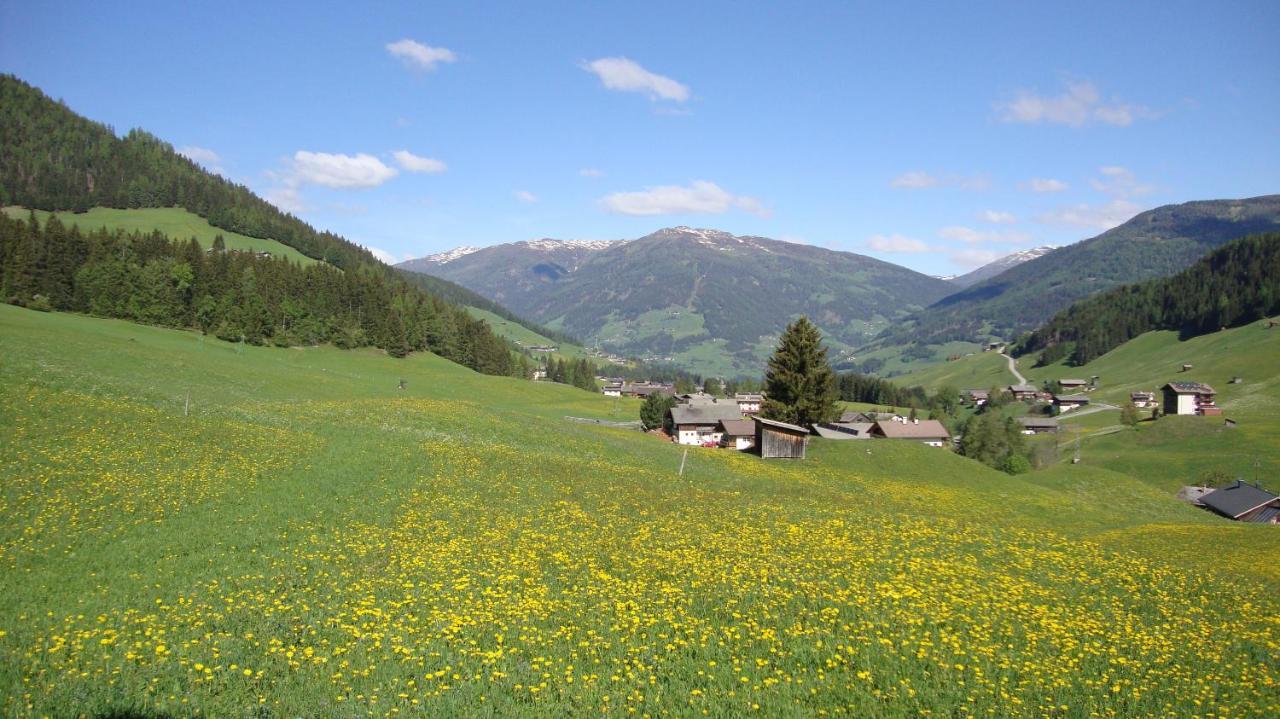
x=236, y=296
x=1236, y=284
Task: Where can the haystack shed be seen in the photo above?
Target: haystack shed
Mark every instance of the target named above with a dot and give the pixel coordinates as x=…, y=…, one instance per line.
x=780, y=440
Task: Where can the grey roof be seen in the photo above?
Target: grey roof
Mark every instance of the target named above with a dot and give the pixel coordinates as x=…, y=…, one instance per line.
x=1190, y=388
x=781, y=425
x=1084, y=399
x=1038, y=422
x=1236, y=499
x=1072, y=382
x=843, y=430
x=1023, y=388
x=738, y=427
x=748, y=397
x=704, y=413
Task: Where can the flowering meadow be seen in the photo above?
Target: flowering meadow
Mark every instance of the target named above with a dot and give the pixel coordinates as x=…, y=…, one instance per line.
x=305, y=539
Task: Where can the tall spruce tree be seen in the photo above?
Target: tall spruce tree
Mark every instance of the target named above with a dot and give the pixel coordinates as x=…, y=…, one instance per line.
x=800, y=385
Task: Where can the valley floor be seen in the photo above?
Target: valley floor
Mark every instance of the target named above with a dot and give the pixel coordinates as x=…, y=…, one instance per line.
x=199, y=528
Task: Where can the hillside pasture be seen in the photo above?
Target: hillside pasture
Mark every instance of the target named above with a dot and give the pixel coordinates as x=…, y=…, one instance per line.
x=200, y=528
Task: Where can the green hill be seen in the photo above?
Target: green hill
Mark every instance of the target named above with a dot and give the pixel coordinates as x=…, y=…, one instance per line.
x=174, y=222
x=197, y=527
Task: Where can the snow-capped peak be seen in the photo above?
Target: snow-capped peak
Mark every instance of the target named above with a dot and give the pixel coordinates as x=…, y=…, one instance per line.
x=549, y=244
x=451, y=255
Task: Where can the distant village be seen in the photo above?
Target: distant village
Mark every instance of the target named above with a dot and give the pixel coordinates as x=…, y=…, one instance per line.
x=698, y=419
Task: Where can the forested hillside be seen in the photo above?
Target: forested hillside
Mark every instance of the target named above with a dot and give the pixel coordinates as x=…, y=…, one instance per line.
x=237, y=296
x=1236, y=284
x=53, y=159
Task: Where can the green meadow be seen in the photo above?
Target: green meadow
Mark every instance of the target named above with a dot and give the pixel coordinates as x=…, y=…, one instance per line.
x=174, y=222
x=197, y=528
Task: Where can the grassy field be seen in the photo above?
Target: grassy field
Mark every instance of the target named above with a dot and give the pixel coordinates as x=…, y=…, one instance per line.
x=981, y=370
x=175, y=222
x=305, y=539
x=527, y=337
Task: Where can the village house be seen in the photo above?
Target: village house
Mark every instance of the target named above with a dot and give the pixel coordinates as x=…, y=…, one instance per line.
x=976, y=397
x=644, y=389
x=1244, y=502
x=1143, y=399
x=843, y=430
x=700, y=424
x=1038, y=425
x=740, y=434
x=1068, y=402
x=1022, y=391
x=748, y=403
x=780, y=440
x=1072, y=384
x=1189, y=398
x=612, y=390
x=927, y=431
x=849, y=416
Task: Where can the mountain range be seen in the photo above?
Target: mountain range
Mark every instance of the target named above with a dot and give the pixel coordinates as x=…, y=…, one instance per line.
x=995, y=267
x=705, y=299
x=1155, y=243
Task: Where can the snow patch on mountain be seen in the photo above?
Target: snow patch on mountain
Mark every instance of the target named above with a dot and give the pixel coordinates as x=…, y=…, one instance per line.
x=451, y=255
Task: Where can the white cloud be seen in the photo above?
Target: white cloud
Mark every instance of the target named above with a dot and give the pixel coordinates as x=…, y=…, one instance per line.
x=1081, y=104
x=286, y=198
x=383, y=255
x=921, y=180
x=970, y=236
x=619, y=73
x=202, y=155
x=337, y=170
x=970, y=257
x=591, y=172
x=1119, y=182
x=896, y=243
x=419, y=56
x=699, y=197
x=996, y=217
x=915, y=180
x=1100, y=217
x=525, y=196
x=1044, y=184
x=416, y=163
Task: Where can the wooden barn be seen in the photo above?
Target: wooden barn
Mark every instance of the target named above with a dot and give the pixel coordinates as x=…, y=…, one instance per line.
x=779, y=440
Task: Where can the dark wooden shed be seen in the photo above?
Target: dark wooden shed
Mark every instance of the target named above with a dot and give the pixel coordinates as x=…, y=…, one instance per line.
x=777, y=439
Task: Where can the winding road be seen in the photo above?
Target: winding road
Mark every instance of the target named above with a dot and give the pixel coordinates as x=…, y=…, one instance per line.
x=1013, y=367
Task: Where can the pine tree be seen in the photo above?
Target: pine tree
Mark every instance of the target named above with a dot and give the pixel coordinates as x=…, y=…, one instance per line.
x=800, y=385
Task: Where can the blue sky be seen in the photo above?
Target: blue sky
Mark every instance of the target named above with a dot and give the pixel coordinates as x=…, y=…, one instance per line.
x=936, y=135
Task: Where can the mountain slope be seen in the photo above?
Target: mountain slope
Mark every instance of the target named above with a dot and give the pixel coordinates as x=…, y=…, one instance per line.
x=1156, y=243
x=994, y=268
x=709, y=300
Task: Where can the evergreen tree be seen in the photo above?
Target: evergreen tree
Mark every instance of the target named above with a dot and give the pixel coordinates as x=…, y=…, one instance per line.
x=654, y=410
x=800, y=386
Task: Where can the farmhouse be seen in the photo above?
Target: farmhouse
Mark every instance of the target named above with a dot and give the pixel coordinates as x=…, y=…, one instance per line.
x=748, y=403
x=612, y=390
x=1038, y=425
x=739, y=434
x=1068, y=402
x=1072, y=384
x=1244, y=502
x=700, y=424
x=929, y=431
x=1189, y=398
x=843, y=430
x=644, y=389
x=1143, y=399
x=1022, y=391
x=779, y=440
x=976, y=397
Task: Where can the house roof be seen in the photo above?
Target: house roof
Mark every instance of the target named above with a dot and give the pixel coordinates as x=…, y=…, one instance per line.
x=748, y=397
x=1038, y=422
x=738, y=427
x=924, y=429
x=1236, y=499
x=781, y=425
x=1189, y=388
x=704, y=413
x=1022, y=388
x=1143, y=395
x=1065, y=382
x=1071, y=398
